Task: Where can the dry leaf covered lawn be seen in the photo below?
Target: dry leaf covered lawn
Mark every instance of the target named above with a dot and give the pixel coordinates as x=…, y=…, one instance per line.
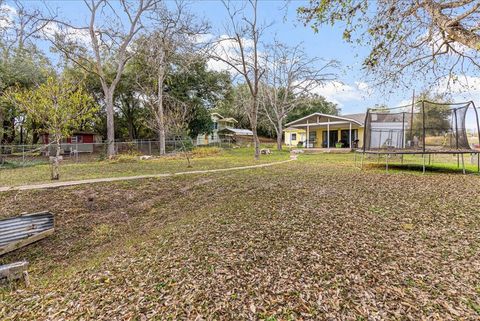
x=128, y=165
x=311, y=239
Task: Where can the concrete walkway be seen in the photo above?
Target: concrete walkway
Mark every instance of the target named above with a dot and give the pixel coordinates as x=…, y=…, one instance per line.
x=125, y=178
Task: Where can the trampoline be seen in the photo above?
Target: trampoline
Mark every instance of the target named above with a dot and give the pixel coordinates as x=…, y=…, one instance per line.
x=422, y=128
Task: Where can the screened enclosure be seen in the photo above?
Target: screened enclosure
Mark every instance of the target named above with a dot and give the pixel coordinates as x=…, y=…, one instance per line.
x=422, y=127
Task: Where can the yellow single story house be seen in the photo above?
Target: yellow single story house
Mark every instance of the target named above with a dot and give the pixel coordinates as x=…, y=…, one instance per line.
x=326, y=131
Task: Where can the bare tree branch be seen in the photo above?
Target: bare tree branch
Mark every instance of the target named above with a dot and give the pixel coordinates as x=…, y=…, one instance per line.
x=109, y=44
x=240, y=51
x=290, y=76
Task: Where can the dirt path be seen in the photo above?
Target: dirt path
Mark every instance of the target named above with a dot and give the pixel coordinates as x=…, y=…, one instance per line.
x=124, y=178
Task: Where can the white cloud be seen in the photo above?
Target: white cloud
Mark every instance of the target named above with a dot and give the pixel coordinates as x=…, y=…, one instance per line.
x=463, y=88
x=340, y=93
x=75, y=35
x=202, y=38
x=403, y=102
x=227, y=49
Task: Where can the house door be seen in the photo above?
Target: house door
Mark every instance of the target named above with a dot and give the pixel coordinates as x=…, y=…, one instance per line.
x=312, y=139
x=333, y=139
x=344, y=136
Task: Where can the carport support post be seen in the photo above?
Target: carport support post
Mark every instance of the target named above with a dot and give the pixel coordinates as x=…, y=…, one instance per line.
x=308, y=134
x=328, y=133
x=349, y=135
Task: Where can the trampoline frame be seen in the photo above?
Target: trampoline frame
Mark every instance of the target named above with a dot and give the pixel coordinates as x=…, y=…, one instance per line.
x=423, y=151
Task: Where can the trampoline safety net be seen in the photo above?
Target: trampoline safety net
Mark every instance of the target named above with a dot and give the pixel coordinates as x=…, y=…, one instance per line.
x=421, y=127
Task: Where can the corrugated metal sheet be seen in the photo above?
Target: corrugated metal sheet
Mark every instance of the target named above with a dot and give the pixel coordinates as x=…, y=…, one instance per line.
x=22, y=227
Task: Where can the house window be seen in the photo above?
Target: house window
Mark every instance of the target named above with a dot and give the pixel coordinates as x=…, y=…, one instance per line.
x=77, y=139
x=294, y=136
x=215, y=125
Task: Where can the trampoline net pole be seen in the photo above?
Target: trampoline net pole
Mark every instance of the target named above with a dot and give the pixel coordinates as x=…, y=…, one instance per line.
x=423, y=124
x=456, y=127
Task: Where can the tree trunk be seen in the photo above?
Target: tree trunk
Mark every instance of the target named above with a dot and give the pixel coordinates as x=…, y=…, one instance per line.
x=253, y=124
x=110, y=123
x=56, y=161
x=256, y=143
x=454, y=29
x=186, y=154
x=9, y=130
x=131, y=130
x=279, y=135
x=161, y=140
x=160, y=111
x=35, y=137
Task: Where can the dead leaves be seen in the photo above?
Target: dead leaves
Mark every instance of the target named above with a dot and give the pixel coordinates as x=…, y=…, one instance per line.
x=309, y=240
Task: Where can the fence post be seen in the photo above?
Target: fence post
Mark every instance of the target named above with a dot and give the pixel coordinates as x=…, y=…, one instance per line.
x=23, y=155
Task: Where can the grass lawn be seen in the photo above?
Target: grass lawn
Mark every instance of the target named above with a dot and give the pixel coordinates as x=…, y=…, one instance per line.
x=203, y=158
x=311, y=239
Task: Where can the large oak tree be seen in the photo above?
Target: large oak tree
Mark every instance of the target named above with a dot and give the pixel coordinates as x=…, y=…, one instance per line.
x=427, y=40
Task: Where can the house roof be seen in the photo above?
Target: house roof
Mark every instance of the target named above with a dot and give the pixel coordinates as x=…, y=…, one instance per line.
x=360, y=117
x=237, y=131
x=217, y=114
x=293, y=129
x=229, y=119
x=76, y=132
x=84, y=133
x=224, y=119
x=356, y=118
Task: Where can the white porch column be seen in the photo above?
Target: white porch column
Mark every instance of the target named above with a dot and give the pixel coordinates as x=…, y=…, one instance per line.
x=308, y=134
x=350, y=136
x=328, y=133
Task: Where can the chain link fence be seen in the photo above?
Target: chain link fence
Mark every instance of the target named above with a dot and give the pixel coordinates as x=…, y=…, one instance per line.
x=28, y=155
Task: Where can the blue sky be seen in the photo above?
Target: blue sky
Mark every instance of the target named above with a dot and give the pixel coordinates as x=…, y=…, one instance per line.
x=350, y=92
